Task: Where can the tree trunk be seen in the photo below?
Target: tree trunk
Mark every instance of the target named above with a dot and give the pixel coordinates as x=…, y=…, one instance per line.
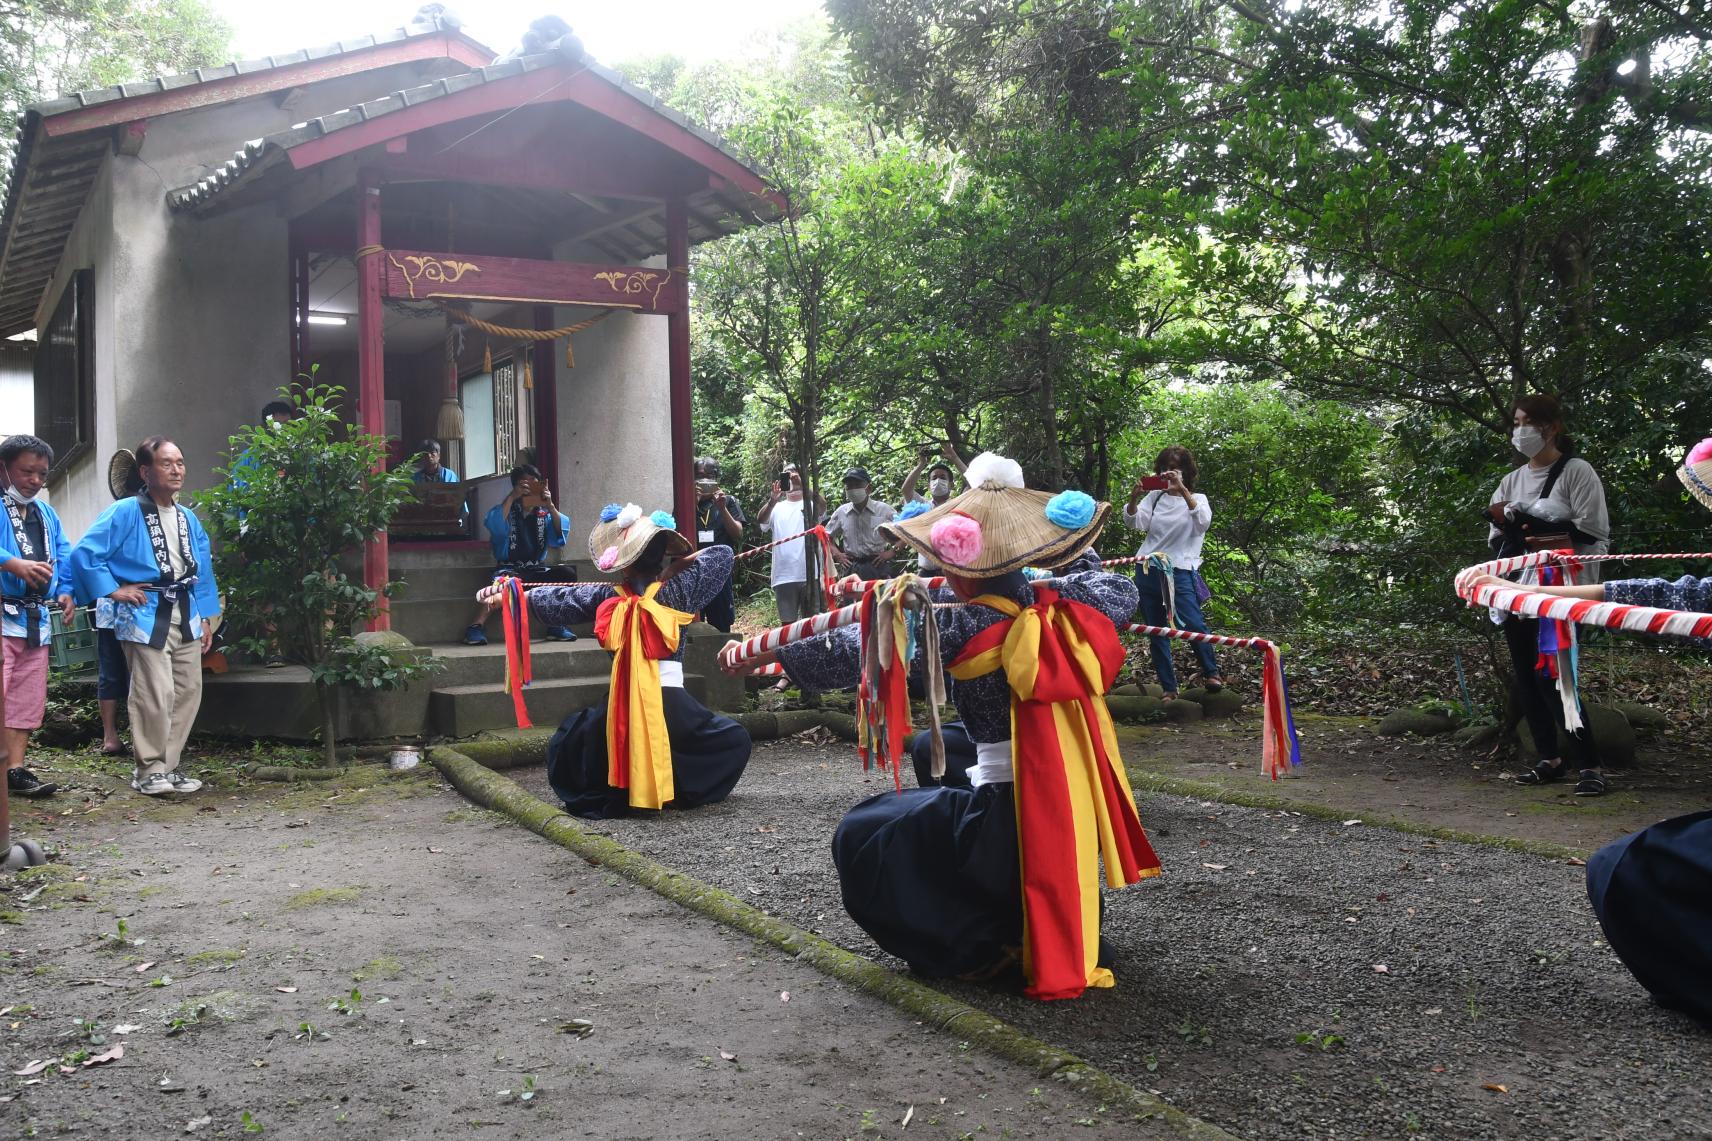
x=327, y=702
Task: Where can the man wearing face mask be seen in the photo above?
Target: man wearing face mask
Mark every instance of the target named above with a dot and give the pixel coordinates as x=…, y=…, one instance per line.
x=941, y=481
x=1553, y=501
x=858, y=546
x=35, y=577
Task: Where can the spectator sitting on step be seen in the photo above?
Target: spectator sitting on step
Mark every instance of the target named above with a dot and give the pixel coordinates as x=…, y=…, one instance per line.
x=523, y=529
x=429, y=469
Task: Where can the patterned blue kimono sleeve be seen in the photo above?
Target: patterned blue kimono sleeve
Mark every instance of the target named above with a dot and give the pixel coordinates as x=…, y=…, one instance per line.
x=697, y=581
x=1686, y=593
x=831, y=661
x=1114, y=595
x=565, y=605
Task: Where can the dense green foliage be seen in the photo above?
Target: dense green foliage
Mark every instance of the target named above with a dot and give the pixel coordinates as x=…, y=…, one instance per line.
x=294, y=498
x=50, y=48
x=1326, y=245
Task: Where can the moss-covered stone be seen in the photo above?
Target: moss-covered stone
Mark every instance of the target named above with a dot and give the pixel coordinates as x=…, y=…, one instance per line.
x=1613, y=738
x=762, y=725
x=1224, y=703
x=1127, y=690
x=1476, y=737
x=1134, y=709
x=1183, y=710
x=1401, y=722
x=1644, y=719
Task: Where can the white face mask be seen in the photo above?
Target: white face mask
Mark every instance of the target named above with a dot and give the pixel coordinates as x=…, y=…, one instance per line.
x=857, y=495
x=939, y=488
x=1528, y=440
x=19, y=497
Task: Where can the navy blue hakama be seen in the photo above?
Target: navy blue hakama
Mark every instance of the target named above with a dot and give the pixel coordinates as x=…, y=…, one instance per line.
x=709, y=754
x=1652, y=892
x=933, y=876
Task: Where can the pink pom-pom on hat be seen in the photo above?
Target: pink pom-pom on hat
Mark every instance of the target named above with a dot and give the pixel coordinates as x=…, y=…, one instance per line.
x=1699, y=452
x=957, y=539
x=607, y=559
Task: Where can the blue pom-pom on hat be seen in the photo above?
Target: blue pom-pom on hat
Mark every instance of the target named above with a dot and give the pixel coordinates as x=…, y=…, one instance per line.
x=915, y=507
x=610, y=512
x=1071, y=509
x=664, y=521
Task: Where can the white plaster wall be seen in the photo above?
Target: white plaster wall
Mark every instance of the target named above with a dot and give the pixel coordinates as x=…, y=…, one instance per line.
x=191, y=314
x=615, y=437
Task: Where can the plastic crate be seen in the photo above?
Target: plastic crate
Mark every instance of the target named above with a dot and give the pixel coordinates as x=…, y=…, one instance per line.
x=74, y=649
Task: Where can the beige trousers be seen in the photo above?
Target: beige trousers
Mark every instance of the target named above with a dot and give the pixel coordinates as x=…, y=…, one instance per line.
x=166, y=691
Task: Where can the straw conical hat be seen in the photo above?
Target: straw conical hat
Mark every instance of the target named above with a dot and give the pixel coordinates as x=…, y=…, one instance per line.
x=122, y=477
x=1696, y=471
x=623, y=533
x=999, y=526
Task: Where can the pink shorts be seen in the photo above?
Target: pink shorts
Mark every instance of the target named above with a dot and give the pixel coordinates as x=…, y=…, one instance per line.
x=26, y=683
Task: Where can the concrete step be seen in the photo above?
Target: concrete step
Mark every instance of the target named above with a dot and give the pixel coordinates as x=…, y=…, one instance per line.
x=442, y=621
x=549, y=661
x=465, y=710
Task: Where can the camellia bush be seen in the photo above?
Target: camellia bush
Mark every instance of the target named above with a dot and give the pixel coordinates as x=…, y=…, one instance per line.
x=295, y=497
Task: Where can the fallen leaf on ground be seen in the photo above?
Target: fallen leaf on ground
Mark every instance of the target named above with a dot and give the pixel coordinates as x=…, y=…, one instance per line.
x=1495, y=1088
x=436, y=851
x=1351, y=823
x=1215, y=867
x=35, y=1067
x=127, y=1028
x=1381, y=969
x=908, y=1114
x=1435, y=1010
x=1577, y=861
x=784, y=996
x=581, y=1027
x=286, y=989
x=141, y=967
x=113, y=1055
x=196, y=1123
x=728, y=1056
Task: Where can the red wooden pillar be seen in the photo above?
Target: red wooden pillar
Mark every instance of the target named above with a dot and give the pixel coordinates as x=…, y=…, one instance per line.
x=371, y=361
x=678, y=366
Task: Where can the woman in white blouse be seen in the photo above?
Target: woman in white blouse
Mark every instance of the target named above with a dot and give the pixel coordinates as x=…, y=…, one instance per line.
x=1175, y=519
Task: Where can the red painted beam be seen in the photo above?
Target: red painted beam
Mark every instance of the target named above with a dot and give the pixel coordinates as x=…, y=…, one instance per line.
x=446, y=45
x=415, y=275
x=371, y=364
x=534, y=170
x=678, y=374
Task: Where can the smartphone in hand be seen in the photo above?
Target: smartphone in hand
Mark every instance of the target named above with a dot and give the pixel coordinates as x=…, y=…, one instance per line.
x=1154, y=483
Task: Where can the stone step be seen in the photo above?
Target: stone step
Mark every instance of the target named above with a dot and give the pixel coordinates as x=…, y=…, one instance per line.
x=442, y=621
x=549, y=661
x=465, y=710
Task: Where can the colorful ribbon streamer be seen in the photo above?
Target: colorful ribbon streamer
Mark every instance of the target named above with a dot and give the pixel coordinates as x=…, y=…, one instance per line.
x=514, y=621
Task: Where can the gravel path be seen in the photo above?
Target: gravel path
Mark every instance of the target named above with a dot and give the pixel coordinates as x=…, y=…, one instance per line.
x=1451, y=990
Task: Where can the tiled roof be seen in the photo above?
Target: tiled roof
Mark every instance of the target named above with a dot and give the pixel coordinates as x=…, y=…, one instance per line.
x=51, y=176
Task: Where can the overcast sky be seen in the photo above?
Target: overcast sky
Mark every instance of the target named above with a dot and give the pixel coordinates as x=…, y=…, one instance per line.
x=698, y=30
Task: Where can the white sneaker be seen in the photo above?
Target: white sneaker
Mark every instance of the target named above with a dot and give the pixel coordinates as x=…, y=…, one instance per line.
x=155, y=784
x=182, y=783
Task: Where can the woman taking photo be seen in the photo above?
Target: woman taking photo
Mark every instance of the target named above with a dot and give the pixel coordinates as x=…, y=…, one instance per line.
x=1552, y=501
x=1175, y=518
x=146, y=565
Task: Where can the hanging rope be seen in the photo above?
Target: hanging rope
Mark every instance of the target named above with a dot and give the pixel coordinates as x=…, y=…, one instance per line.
x=506, y=332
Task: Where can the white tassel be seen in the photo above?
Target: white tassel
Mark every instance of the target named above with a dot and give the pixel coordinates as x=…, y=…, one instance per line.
x=992, y=469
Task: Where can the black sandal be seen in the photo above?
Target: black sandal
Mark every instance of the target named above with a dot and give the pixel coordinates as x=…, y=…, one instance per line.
x=1590, y=784
x=1543, y=773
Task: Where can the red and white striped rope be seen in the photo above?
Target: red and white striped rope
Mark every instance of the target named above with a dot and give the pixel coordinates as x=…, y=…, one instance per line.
x=1193, y=636
x=736, y=653
x=1611, y=615
x=819, y=530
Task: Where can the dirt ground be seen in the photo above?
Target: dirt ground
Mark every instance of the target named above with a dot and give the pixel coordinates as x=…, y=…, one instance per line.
x=374, y=958
x=1426, y=782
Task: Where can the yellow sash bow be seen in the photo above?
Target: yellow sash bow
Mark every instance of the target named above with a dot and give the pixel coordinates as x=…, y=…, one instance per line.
x=639, y=630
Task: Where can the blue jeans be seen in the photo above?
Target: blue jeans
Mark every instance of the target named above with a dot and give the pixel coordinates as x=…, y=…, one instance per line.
x=1152, y=586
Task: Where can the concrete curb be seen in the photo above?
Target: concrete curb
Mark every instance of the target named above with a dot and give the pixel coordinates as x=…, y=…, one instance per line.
x=1141, y=780
x=501, y=794
x=516, y=748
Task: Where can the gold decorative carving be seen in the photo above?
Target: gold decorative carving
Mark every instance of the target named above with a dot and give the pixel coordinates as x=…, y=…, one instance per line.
x=435, y=271
x=635, y=281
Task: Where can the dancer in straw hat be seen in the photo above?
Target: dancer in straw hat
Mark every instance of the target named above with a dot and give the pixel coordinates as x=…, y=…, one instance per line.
x=651, y=744
x=1652, y=890
x=959, y=881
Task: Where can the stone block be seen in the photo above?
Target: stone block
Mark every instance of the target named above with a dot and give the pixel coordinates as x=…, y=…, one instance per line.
x=1399, y=722
x=1225, y=703
x=1183, y=710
